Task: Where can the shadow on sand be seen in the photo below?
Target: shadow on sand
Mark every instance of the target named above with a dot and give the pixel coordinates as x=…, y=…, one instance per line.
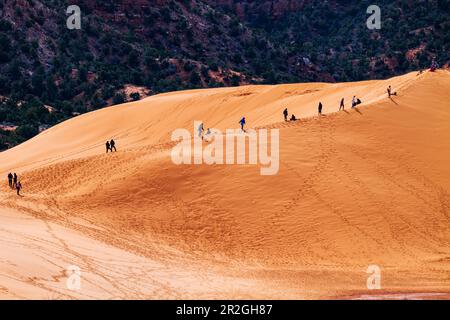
x=393, y=101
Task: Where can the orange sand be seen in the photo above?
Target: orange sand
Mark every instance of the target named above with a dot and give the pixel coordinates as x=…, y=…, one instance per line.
x=366, y=186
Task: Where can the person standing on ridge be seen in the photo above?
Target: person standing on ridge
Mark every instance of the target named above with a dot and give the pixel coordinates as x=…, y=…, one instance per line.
x=10, y=180
x=285, y=114
x=113, y=145
x=434, y=66
x=108, y=147
x=320, y=108
x=242, y=123
x=342, y=106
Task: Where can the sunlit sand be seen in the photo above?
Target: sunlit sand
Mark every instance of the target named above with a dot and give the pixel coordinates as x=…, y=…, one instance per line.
x=354, y=188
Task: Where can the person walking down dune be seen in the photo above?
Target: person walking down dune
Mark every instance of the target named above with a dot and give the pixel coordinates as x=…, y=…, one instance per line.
x=285, y=114
x=342, y=106
x=108, y=147
x=242, y=123
x=320, y=108
x=10, y=180
x=112, y=144
x=18, y=187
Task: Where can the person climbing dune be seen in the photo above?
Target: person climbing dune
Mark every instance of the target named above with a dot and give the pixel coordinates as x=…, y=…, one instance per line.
x=14, y=179
x=200, y=129
x=10, y=180
x=354, y=102
x=285, y=114
x=108, y=147
x=342, y=106
x=320, y=108
x=242, y=123
x=18, y=188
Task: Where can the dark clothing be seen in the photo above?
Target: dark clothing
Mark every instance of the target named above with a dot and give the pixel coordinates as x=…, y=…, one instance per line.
x=113, y=145
x=293, y=118
x=342, y=106
x=108, y=147
x=10, y=180
x=285, y=113
x=18, y=187
x=320, y=108
x=242, y=122
x=15, y=179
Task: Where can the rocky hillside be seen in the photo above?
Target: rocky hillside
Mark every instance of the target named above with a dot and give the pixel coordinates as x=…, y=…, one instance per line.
x=127, y=49
x=249, y=10
x=331, y=41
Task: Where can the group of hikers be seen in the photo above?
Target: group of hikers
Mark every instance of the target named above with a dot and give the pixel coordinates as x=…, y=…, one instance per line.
x=355, y=102
x=111, y=146
x=286, y=115
x=14, y=183
x=201, y=128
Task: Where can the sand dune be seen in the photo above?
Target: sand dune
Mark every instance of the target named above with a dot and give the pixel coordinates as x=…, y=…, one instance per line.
x=355, y=188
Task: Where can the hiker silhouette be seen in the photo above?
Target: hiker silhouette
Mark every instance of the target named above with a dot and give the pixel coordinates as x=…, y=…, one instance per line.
x=390, y=93
x=242, y=123
x=18, y=187
x=354, y=102
x=10, y=180
x=285, y=114
x=342, y=106
x=112, y=144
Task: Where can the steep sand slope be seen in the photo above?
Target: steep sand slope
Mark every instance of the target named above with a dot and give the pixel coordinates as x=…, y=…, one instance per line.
x=362, y=187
